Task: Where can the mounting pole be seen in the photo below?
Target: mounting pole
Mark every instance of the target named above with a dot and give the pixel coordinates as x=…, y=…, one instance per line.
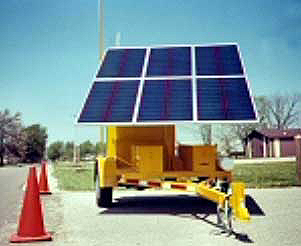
x=101, y=30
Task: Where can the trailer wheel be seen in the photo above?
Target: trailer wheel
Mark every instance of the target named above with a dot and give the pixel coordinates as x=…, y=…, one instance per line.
x=104, y=196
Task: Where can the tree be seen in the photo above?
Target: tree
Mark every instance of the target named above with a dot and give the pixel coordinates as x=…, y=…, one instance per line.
x=69, y=151
x=35, y=140
x=263, y=110
x=11, y=137
x=284, y=110
x=228, y=141
x=56, y=150
x=86, y=148
x=205, y=132
x=100, y=148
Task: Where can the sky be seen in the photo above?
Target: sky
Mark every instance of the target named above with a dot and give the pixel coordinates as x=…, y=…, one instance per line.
x=49, y=50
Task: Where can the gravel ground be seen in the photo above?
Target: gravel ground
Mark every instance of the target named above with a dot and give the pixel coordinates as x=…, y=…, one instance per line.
x=281, y=223
x=164, y=218
x=167, y=218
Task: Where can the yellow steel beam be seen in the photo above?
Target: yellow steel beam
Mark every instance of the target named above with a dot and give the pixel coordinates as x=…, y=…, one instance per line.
x=238, y=202
x=211, y=193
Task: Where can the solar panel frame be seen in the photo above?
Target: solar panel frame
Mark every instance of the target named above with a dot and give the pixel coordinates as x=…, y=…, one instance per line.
x=193, y=77
x=140, y=89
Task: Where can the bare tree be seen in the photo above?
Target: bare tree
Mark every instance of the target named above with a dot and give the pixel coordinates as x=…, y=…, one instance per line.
x=205, y=132
x=284, y=110
x=11, y=136
x=227, y=139
x=263, y=109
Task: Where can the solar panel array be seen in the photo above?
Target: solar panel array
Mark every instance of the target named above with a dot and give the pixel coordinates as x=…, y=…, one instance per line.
x=169, y=84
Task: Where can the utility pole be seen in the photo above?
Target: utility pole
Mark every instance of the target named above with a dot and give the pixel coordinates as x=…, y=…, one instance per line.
x=74, y=141
x=298, y=158
x=1, y=148
x=46, y=149
x=101, y=51
x=117, y=39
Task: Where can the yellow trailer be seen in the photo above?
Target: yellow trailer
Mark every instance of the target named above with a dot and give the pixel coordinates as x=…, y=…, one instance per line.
x=148, y=157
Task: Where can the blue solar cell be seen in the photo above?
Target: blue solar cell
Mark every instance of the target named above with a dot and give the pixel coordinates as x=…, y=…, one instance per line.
x=224, y=99
x=122, y=63
x=112, y=101
x=169, y=61
x=166, y=100
x=218, y=60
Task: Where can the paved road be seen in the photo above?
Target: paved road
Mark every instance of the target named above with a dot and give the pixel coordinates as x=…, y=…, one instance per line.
x=168, y=218
x=12, y=180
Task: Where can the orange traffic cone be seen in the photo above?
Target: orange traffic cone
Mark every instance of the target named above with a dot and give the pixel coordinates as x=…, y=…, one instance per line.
x=31, y=223
x=43, y=184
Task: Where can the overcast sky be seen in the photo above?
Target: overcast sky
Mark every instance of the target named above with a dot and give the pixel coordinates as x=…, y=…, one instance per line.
x=49, y=49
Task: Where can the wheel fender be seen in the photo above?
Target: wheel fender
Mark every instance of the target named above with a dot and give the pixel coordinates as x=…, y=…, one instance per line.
x=106, y=172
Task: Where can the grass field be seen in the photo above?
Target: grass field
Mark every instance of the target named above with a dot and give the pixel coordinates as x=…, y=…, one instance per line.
x=74, y=178
x=266, y=175
x=80, y=177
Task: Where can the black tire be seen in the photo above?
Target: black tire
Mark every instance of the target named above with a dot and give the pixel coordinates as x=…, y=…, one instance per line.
x=104, y=196
x=95, y=174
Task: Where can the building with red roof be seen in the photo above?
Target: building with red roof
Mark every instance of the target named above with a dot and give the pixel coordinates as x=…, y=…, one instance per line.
x=272, y=143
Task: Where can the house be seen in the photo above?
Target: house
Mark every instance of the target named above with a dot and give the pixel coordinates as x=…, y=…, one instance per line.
x=272, y=143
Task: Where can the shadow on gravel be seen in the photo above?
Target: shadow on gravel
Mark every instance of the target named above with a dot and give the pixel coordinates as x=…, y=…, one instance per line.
x=184, y=206
x=253, y=207
x=178, y=204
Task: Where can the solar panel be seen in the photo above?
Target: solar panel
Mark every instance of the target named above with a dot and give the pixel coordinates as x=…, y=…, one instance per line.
x=169, y=61
x=111, y=101
x=218, y=60
x=122, y=63
x=224, y=99
x=165, y=100
x=169, y=84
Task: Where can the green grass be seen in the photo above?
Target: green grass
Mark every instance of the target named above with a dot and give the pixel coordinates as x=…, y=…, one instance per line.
x=80, y=177
x=266, y=175
x=74, y=178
